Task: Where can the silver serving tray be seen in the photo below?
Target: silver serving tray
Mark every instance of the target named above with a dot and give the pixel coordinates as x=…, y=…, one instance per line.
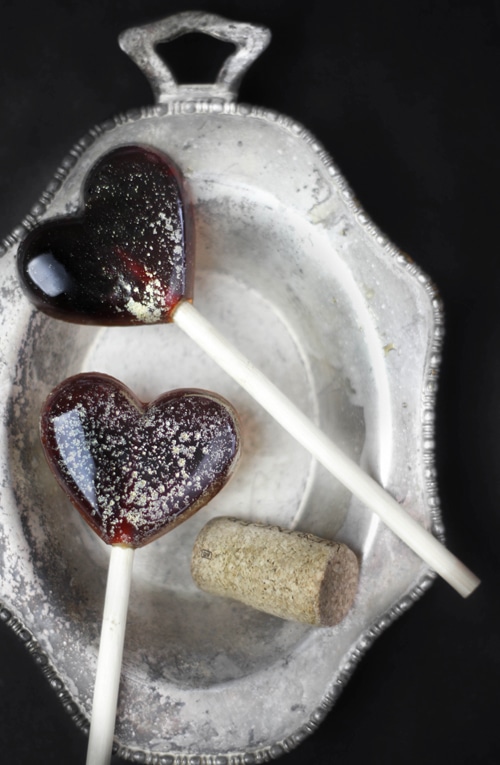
x=298, y=276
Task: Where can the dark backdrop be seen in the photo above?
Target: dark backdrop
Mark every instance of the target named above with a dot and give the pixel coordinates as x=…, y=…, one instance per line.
x=405, y=96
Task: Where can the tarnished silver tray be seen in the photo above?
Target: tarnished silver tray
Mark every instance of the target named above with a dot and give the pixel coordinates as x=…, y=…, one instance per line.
x=300, y=278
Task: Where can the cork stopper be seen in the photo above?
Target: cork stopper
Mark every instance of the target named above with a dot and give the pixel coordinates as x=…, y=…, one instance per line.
x=290, y=574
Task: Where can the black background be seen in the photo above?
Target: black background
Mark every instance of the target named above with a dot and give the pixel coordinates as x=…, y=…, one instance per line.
x=405, y=97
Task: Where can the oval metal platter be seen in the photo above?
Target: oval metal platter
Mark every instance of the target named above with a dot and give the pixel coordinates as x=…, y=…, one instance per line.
x=296, y=274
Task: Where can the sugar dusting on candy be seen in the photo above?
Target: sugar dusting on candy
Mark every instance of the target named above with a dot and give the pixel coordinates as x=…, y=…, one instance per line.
x=134, y=471
x=128, y=257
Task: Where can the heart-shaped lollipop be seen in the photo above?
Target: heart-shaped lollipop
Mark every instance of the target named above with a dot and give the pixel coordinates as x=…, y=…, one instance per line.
x=128, y=261
x=134, y=471
x=128, y=258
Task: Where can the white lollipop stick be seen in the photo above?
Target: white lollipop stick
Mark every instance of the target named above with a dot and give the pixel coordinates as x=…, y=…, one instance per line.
x=324, y=450
x=109, y=660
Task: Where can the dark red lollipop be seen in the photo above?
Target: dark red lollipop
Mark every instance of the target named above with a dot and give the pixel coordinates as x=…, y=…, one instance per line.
x=127, y=258
x=117, y=265
x=134, y=471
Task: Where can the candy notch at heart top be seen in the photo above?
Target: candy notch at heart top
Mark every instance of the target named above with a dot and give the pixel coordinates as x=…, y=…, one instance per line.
x=134, y=471
x=128, y=257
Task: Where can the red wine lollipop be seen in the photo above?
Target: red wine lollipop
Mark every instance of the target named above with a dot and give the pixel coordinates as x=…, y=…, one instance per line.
x=127, y=258
x=134, y=471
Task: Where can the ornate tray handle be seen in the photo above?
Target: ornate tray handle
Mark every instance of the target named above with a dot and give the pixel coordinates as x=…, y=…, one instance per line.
x=139, y=43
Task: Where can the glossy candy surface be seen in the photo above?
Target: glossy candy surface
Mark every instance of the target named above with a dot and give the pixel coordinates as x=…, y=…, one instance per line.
x=127, y=258
x=134, y=471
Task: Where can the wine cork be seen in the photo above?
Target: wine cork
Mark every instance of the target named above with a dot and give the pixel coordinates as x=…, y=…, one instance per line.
x=290, y=574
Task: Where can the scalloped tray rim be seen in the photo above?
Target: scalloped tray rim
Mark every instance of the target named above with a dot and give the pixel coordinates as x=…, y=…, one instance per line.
x=222, y=106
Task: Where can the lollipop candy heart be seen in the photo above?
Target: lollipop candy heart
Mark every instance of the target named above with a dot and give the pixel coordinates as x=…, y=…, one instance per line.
x=134, y=471
x=128, y=258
